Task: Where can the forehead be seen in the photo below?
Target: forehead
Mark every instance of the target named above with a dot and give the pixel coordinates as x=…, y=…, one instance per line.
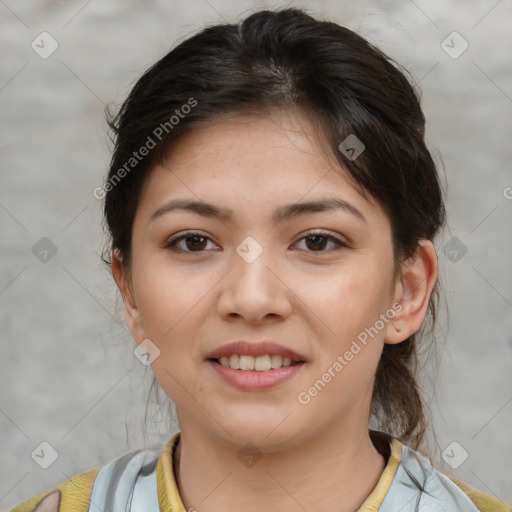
x=264, y=141
x=259, y=158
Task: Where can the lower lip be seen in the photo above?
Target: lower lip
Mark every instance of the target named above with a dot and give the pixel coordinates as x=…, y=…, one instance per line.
x=252, y=379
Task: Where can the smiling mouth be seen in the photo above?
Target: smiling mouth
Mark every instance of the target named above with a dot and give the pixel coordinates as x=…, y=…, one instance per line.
x=263, y=363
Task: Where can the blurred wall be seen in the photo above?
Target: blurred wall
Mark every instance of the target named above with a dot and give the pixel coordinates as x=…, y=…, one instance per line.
x=68, y=374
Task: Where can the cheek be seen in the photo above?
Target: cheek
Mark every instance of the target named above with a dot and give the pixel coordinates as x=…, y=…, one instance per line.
x=350, y=300
x=167, y=296
x=172, y=310
x=350, y=305
x=174, y=302
x=349, y=348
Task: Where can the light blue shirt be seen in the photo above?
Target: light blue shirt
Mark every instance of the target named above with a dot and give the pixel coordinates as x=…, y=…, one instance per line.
x=129, y=483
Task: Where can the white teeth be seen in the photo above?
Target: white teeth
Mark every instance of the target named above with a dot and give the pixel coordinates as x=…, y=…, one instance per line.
x=260, y=363
x=276, y=361
x=246, y=363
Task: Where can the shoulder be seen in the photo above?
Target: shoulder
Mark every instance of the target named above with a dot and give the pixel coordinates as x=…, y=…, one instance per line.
x=73, y=495
x=483, y=502
x=108, y=487
x=438, y=490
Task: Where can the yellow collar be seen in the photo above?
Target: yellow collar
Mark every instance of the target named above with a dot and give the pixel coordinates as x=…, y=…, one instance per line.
x=169, y=496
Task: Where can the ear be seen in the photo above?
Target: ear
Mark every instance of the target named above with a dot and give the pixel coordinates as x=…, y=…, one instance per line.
x=124, y=282
x=413, y=288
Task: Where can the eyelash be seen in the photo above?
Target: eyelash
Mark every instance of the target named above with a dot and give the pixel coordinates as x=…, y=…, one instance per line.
x=172, y=243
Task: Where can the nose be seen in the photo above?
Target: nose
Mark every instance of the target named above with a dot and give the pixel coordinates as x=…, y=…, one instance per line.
x=255, y=290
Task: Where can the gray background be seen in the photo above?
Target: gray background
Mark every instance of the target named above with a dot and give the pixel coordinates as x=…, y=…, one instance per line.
x=68, y=373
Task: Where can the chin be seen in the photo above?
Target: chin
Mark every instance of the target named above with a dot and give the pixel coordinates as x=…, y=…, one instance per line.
x=261, y=430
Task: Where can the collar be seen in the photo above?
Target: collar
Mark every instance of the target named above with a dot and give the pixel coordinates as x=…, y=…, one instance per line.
x=169, y=496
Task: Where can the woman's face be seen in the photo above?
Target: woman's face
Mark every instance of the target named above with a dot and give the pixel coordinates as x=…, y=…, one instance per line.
x=266, y=271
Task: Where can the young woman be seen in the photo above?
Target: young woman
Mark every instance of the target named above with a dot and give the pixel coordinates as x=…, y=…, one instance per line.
x=272, y=208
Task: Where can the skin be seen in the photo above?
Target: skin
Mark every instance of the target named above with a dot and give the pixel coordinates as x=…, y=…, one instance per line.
x=309, y=295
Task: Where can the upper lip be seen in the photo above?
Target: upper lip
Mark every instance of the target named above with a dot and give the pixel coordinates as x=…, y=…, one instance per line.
x=255, y=349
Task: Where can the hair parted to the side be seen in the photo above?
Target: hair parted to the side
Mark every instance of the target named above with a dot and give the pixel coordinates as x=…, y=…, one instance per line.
x=286, y=59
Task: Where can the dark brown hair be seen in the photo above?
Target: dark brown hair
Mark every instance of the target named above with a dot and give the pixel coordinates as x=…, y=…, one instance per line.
x=288, y=60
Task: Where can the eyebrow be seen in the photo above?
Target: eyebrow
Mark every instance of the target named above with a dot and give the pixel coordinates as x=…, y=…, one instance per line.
x=283, y=213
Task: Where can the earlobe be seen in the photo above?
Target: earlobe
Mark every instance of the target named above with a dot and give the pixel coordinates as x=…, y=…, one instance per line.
x=125, y=285
x=412, y=291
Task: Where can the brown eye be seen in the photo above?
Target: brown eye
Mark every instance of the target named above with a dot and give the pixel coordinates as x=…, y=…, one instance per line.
x=193, y=242
x=317, y=241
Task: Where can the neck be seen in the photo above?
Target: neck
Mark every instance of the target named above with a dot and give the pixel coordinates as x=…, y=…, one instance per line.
x=211, y=477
